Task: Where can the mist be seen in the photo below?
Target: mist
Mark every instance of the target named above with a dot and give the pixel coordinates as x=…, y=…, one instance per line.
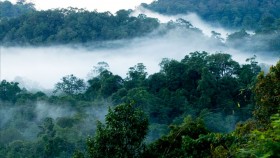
x=27, y=119
x=43, y=67
x=193, y=18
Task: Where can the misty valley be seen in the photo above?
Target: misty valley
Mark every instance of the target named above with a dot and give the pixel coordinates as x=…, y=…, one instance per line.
x=179, y=78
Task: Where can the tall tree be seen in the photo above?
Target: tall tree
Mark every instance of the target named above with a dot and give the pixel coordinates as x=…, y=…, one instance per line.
x=122, y=134
x=267, y=92
x=70, y=85
x=136, y=76
x=9, y=91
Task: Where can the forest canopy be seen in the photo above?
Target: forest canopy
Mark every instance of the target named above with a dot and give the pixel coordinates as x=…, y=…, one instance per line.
x=201, y=98
x=72, y=25
x=235, y=14
x=204, y=105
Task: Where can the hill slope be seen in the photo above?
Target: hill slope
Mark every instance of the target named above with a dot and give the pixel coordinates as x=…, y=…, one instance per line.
x=229, y=13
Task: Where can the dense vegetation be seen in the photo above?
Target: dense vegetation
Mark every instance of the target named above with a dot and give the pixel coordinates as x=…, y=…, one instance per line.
x=22, y=25
x=235, y=14
x=9, y=10
x=205, y=105
x=260, y=16
x=202, y=97
x=71, y=25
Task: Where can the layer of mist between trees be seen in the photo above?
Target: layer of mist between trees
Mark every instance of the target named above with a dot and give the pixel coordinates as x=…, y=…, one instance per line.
x=176, y=89
x=199, y=85
x=191, y=17
x=42, y=67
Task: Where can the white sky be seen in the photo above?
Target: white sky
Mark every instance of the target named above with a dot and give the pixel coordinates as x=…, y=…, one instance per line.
x=100, y=5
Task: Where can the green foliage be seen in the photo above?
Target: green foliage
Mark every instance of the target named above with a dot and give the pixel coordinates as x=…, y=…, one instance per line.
x=9, y=91
x=9, y=135
x=73, y=26
x=267, y=92
x=260, y=16
x=210, y=145
x=136, y=76
x=9, y=10
x=53, y=145
x=213, y=88
x=263, y=143
x=238, y=36
x=171, y=144
x=104, y=85
x=70, y=85
x=244, y=14
x=122, y=135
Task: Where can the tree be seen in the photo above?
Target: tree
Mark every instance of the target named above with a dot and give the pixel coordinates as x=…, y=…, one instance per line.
x=136, y=76
x=238, y=36
x=122, y=134
x=222, y=65
x=53, y=144
x=9, y=91
x=267, y=91
x=109, y=83
x=70, y=85
x=171, y=145
x=47, y=134
x=207, y=86
x=101, y=66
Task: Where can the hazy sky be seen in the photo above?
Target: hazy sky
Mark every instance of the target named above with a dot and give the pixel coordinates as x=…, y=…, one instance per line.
x=100, y=5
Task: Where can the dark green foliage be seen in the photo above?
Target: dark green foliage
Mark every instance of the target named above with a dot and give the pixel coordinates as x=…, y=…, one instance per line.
x=136, y=76
x=122, y=134
x=73, y=26
x=65, y=122
x=70, y=85
x=9, y=10
x=261, y=143
x=267, y=91
x=9, y=91
x=214, y=89
x=171, y=144
x=210, y=145
x=78, y=154
x=260, y=16
x=245, y=14
x=104, y=85
x=53, y=145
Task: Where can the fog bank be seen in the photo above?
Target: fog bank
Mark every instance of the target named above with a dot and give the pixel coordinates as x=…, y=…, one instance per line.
x=45, y=66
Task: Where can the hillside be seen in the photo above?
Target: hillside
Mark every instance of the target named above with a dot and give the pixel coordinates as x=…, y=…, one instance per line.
x=229, y=13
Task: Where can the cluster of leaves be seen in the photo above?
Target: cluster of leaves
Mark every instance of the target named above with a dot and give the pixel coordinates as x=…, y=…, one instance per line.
x=63, y=26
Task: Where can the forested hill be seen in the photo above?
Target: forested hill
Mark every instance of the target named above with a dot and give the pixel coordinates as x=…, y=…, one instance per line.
x=68, y=26
x=248, y=14
x=21, y=24
x=260, y=16
x=63, y=26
